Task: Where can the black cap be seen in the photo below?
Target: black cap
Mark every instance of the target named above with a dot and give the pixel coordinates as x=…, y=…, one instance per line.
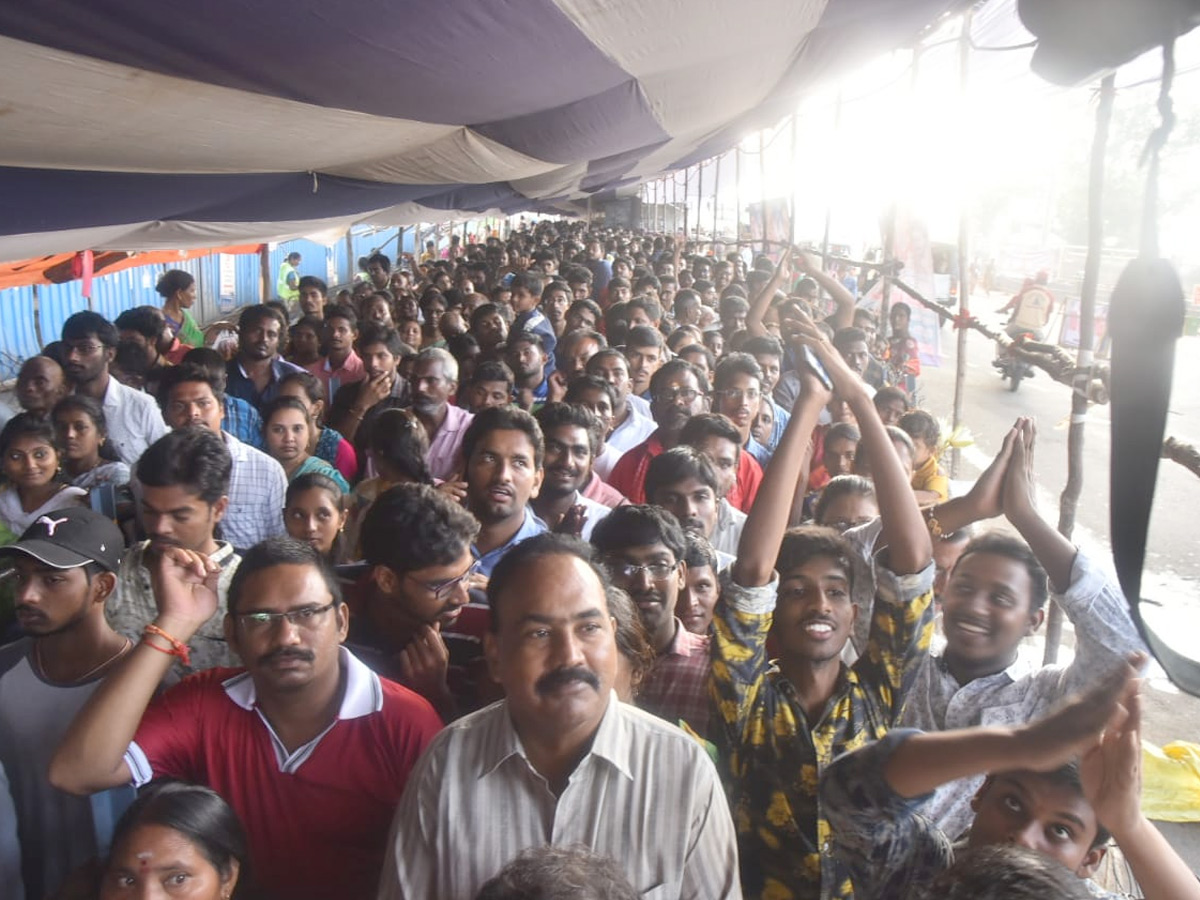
x=71, y=537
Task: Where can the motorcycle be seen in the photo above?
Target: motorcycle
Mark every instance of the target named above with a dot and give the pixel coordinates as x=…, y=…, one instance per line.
x=1011, y=365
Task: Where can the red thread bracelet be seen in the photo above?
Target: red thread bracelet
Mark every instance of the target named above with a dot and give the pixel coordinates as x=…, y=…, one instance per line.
x=178, y=648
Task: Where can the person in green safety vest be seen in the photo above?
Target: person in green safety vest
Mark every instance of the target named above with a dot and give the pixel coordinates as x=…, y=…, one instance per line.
x=287, y=286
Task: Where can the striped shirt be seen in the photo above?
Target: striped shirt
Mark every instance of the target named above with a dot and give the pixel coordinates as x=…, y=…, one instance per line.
x=646, y=794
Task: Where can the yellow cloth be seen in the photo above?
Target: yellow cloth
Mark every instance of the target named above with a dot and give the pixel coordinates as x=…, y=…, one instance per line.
x=928, y=477
x=1171, y=782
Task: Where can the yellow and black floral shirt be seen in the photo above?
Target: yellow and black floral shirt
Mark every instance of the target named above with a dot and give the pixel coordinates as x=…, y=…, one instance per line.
x=772, y=757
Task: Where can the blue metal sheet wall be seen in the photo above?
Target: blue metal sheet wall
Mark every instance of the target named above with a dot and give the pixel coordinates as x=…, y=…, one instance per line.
x=32, y=315
x=18, y=335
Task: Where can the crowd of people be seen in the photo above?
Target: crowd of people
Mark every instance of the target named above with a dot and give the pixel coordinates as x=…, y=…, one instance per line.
x=581, y=563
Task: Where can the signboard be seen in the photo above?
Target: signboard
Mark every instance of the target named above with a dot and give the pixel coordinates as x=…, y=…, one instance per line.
x=331, y=266
x=226, y=283
x=910, y=245
x=1068, y=335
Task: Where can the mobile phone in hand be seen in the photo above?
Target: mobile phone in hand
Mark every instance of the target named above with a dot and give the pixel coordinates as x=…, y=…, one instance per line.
x=814, y=365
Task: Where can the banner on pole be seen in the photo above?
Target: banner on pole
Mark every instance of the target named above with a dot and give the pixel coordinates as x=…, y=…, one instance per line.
x=911, y=246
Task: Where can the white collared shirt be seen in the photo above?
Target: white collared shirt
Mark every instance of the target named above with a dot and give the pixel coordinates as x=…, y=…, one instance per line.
x=645, y=794
x=133, y=420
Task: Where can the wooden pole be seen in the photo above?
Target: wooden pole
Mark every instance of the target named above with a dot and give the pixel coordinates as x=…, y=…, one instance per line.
x=699, y=198
x=264, y=265
x=837, y=126
x=792, y=186
x=762, y=189
x=687, y=185
x=716, y=188
x=964, y=259
x=1068, y=501
x=737, y=193
x=351, y=265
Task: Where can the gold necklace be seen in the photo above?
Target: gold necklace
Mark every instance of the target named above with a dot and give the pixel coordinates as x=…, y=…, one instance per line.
x=37, y=660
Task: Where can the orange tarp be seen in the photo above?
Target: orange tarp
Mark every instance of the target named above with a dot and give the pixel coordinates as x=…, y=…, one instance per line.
x=57, y=268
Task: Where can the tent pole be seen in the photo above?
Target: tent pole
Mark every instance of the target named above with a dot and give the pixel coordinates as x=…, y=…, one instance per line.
x=264, y=265
x=837, y=128
x=792, y=185
x=964, y=257
x=762, y=189
x=716, y=187
x=699, y=198
x=1069, y=500
x=350, y=267
x=687, y=177
x=737, y=194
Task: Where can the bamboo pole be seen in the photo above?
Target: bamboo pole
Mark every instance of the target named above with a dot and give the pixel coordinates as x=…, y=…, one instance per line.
x=792, y=185
x=716, y=188
x=964, y=283
x=1068, y=501
x=687, y=173
x=762, y=189
x=737, y=192
x=837, y=128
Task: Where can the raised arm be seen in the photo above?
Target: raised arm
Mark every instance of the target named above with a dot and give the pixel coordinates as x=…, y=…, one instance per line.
x=91, y=756
x=1111, y=773
x=762, y=300
x=985, y=499
x=904, y=531
x=843, y=315
x=926, y=761
x=769, y=516
x=1053, y=551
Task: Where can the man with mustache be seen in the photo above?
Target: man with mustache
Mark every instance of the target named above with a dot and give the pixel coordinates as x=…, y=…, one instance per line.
x=309, y=746
x=632, y=423
x=419, y=612
x=503, y=448
x=573, y=436
x=778, y=723
x=64, y=569
x=679, y=391
x=434, y=382
x=183, y=496
x=644, y=548
x=254, y=374
x=737, y=393
x=684, y=482
x=560, y=760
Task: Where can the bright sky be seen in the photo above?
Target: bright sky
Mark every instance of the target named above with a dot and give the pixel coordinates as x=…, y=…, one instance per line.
x=924, y=145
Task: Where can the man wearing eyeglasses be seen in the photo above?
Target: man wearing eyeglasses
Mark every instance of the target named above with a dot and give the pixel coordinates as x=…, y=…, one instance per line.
x=132, y=418
x=678, y=391
x=644, y=549
x=309, y=746
x=420, y=614
x=737, y=393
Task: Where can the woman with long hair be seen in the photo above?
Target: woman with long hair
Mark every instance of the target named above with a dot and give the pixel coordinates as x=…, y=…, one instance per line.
x=178, y=290
x=29, y=461
x=328, y=444
x=314, y=511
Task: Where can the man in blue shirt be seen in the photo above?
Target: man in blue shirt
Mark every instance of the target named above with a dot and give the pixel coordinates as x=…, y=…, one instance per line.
x=254, y=374
x=503, y=449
